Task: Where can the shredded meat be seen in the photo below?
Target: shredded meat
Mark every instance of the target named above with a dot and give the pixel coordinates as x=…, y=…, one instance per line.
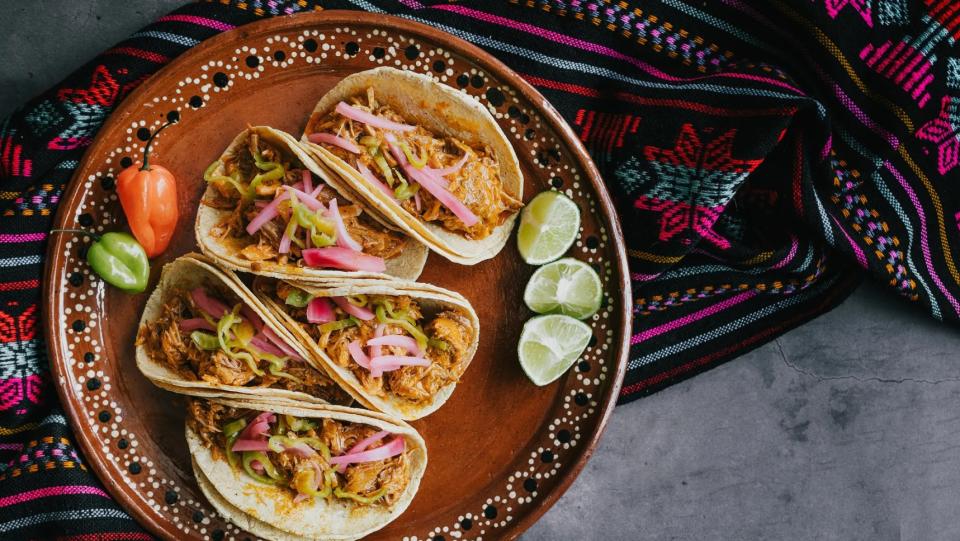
x=477, y=183
x=417, y=384
x=166, y=343
x=264, y=245
x=367, y=479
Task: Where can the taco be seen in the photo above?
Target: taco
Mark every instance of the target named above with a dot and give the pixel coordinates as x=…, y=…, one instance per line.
x=203, y=333
x=430, y=158
x=397, y=347
x=317, y=472
x=270, y=208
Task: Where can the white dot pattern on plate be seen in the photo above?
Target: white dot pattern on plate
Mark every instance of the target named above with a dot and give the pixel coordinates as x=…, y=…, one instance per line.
x=210, y=85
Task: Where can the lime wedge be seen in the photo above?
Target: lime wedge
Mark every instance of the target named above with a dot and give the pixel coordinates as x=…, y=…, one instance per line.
x=548, y=226
x=549, y=345
x=566, y=286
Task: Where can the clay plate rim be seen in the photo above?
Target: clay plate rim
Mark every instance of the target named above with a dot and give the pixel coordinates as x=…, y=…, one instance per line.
x=55, y=259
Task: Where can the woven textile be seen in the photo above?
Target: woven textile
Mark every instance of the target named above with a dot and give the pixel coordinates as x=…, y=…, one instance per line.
x=764, y=156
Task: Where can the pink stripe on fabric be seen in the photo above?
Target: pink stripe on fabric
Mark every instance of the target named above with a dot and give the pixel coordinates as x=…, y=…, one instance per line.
x=10, y=446
x=790, y=255
x=600, y=49
x=696, y=316
x=862, y=259
x=890, y=138
x=13, y=238
x=50, y=491
x=201, y=21
x=637, y=277
x=924, y=241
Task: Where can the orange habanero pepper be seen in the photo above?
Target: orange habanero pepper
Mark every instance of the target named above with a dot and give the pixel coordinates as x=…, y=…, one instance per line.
x=148, y=195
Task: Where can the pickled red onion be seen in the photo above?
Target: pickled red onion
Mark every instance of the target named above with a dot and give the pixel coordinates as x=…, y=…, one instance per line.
x=250, y=445
x=446, y=198
x=285, y=241
x=336, y=257
x=251, y=316
x=388, y=363
x=356, y=352
x=367, y=174
x=444, y=171
x=397, y=340
x=300, y=449
x=261, y=343
x=375, y=351
x=358, y=312
x=320, y=311
x=362, y=446
x=281, y=344
x=208, y=304
x=334, y=140
x=307, y=181
x=197, y=323
x=353, y=113
x=268, y=213
x=344, y=240
x=416, y=200
x=391, y=449
x=259, y=427
x=308, y=200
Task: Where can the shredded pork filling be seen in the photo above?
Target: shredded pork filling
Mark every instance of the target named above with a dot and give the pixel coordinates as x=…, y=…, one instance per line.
x=379, y=482
x=241, y=169
x=477, y=183
x=449, y=334
x=167, y=343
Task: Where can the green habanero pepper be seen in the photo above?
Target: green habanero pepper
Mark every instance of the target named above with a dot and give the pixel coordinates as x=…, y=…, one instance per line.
x=118, y=258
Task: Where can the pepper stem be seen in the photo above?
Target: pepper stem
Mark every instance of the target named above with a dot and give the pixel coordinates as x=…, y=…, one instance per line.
x=95, y=236
x=146, y=149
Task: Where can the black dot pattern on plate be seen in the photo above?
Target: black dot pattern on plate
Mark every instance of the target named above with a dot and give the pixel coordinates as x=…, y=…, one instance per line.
x=592, y=242
x=143, y=134
x=593, y=342
x=525, y=118
x=490, y=512
x=198, y=516
x=547, y=456
x=411, y=52
x=563, y=436
x=76, y=279
x=220, y=79
x=82, y=252
x=126, y=161
x=583, y=366
x=495, y=96
x=135, y=468
x=196, y=102
x=89, y=357
x=556, y=182
x=107, y=182
x=173, y=116
x=171, y=497
x=439, y=538
x=466, y=523
x=439, y=66
x=85, y=220
x=513, y=111
x=123, y=443
x=217, y=535
x=79, y=325
x=529, y=134
x=352, y=48
x=279, y=56
x=93, y=384
x=463, y=80
x=104, y=416
x=252, y=61
x=310, y=45
x=476, y=81
x=581, y=399
x=530, y=485
x=379, y=52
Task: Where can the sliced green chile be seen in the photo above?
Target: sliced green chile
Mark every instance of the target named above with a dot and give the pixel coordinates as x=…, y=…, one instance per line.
x=120, y=260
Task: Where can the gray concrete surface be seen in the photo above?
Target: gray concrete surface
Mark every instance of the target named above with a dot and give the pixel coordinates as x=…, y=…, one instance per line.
x=842, y=429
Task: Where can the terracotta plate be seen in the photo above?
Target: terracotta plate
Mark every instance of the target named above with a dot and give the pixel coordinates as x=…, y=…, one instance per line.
x=501, y=450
